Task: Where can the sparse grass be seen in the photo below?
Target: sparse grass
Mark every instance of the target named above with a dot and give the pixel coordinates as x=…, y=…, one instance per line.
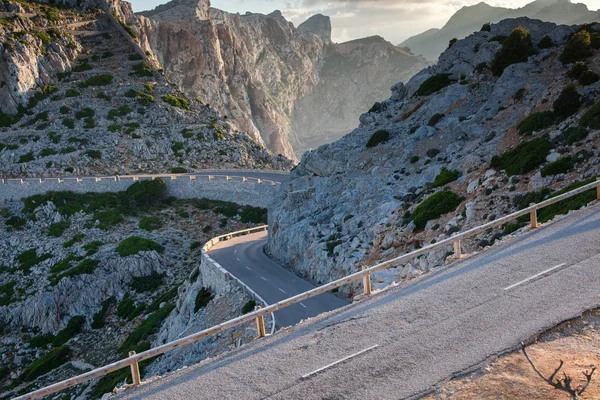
x=74, y=326
x=148, y=283
x=135, y=244
x=58, y=228
x=127, y=309
x=435, y=206
x=92, y=247
x=524, y=158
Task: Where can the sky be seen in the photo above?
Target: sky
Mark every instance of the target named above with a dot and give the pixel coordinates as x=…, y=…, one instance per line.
x=395, y=20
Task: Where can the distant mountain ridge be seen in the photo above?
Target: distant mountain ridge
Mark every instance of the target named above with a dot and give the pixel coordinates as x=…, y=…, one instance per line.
x=467, y=20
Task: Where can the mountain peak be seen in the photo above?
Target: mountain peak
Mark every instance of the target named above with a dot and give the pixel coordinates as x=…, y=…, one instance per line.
x=318, y=24
x=180, y=10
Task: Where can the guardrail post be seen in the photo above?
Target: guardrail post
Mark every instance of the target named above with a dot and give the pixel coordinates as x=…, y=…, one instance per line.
x=260, y=324
x=135, y=371
x=210, y=177
x=598, y=189
x=457, y=250
x=533, y=217
x=367, y=284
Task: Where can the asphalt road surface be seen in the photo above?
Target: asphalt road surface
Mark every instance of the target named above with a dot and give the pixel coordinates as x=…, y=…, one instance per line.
x=244, y=257
x=444, y=324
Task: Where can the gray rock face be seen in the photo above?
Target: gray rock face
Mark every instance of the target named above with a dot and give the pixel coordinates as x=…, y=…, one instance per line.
x=318, y=24
x=181, y=10
x=357, y=208
x=289, y=89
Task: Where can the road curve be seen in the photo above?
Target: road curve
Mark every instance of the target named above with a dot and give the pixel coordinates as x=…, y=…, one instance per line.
x=244, y=257
x=426, y=331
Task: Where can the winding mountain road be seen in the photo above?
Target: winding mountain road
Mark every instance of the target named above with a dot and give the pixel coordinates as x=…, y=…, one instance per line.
x=399, y=343
x=244, y=257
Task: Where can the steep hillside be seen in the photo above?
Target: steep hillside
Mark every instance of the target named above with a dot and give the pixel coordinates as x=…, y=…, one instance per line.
x=279, y=83
x=486, y=131
x=80, y=97
x=86, y=278
x=470, y=19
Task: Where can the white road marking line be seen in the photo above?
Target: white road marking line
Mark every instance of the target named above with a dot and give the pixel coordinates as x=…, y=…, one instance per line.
x=337, y=362
x=281, y=290
x=263, y=278
x=248, y=269
x=534, y=276
x=237, y=258
x=302, y=304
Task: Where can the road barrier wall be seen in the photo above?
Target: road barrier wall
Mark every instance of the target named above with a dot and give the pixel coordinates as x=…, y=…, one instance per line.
x=246, y=191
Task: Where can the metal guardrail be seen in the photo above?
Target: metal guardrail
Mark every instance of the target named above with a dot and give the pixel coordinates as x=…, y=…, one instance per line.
x=364, y=275
x=135, y=178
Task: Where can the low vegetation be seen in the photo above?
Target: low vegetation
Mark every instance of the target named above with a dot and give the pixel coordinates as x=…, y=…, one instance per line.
x=524, y=158
x=445, y=176
x=536, y=122
x=434, y=207
x=515, y=49
x=379, y=137
x=567, y=103
x=178, y=102
x=134, y=244
x=591, y=119
x=579, y=47
x=248, y=307
x=46, y=363
x=150, y=223
x=203, y=297
x=434, y=84
x=148, y=327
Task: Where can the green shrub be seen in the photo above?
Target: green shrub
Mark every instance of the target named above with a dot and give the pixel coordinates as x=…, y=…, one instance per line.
x=179, y=170
x=16, y=222
x=93, y=247
x=413, y=159
x=85, y=113
x=164, y=298
x=577, y=69
x=567, y=103
x=536, y=122
x=69, y=123
x=99, y=318
x=545, y=43
x=516, y=49
x=512, y=227
x=481, y=67
x=572, y=203
x=147, y=283
x=487, y=27
x=7, y=120
x=588, y=78
x=433, y=121
x=128, y=310
x=435, y=206
x=176, y=101
x=83, y=66
x=27, y=157
x=41, y=341
x=144, y=195
x=434, y=84
x=203, y=297
x=106, y=219
x=143, y=69
x=524, y=158
x=135, y=57
x=127, y=28
x=86, y=267
x=452, y=42
x=103, y=96
x=94, y=154
x=381, y=136
x=150, y=223
x=74, y=326
x=572, y=135
x=58, y=228
x=560, y=166
x=54, y=138
x=65, y=109
x=89, y=123
x=253, y=215
x=148, y=327
x=64, y=264
x=591, y=118
x=119, y=112
x=98, y=80
x=68, y=149
x=445, y=176
x=248, y=307
x=7, y=291
x=135, y=244
x=578, y=48
x=29, y=258
x=46, y=363
x=142, y=97
x=177, y=146
x=114, y=128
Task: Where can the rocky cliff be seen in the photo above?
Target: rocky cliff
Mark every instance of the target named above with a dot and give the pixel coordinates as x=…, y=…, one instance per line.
x=456, y=146
x=80, y=97
x=289, y=88
x=471, y=18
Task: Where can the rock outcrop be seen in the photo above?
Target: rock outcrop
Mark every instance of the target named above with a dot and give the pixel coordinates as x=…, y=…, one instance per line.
x=471, y=18
x=354, y=202
x=270, y=77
